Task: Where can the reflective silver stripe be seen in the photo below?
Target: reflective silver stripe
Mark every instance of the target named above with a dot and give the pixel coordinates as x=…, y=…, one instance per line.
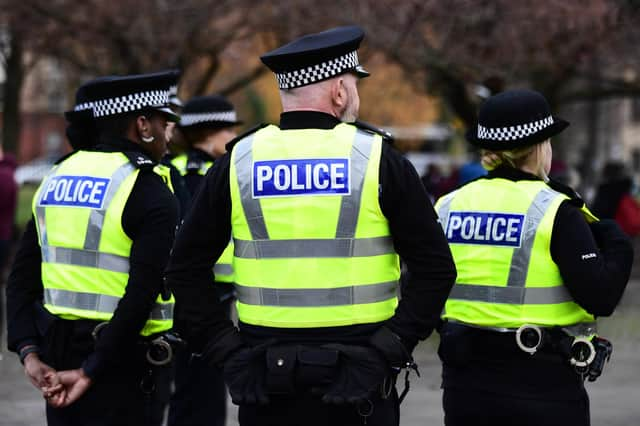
x=98, y=303
x=96, y=217
x=92, y=259
x=443, y=211
x=510, y=295
x=520, y=260
x=223, y=269
x=41, y=210
x=341, y=247
x=316, y=297
x=251, y=206
x=350, y=204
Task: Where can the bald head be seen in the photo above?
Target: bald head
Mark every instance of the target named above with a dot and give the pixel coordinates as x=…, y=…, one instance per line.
x=337, y=96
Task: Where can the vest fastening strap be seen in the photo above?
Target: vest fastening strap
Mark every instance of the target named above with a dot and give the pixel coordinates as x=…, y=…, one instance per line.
x=250, y=205
x=339, y=247
x=223, y=269
x=96, y=217
x=99, y=303
x=521, y=255
x=89, y=258
x=316, y=297
x=510, y=295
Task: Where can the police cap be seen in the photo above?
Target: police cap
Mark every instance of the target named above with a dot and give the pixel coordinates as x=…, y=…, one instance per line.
x=125, y=94
x=316, y=57
x=208, y=111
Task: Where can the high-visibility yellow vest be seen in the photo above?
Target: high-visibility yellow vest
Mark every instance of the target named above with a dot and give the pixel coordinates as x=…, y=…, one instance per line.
x=499, y=232
x=185, y=164
x=85, y=252
x=223, y=268
x=312, y=247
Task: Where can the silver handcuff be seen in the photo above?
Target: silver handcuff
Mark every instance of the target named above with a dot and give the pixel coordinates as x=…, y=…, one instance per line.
x=529, y=338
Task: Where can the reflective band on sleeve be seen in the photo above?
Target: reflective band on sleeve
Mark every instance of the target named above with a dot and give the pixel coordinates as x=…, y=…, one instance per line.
x=250, y=205
x=521, y=255
x=341, y=247
x=350, y=205
x=93, y=259
x=99, y=303
x=359, y=294
x=510, y=295
x=223, y=269
x=96, y=217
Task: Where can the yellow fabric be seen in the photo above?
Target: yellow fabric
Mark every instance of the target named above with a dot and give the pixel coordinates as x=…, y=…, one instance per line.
x=489, y=265
x=312, y=217
x=66, y=227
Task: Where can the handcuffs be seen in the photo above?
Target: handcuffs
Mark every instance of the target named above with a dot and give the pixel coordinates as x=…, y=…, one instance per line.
x=587, y=356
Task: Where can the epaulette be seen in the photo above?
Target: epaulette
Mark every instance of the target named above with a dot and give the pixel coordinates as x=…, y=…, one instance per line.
x=386, y=136
x=229, y=146
x=574, y=197
x=140, y=160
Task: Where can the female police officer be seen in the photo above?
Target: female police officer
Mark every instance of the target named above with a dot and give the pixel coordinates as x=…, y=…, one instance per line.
x=535, y=268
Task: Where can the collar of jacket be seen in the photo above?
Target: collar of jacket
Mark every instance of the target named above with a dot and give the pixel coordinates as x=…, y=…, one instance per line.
x=307, y=120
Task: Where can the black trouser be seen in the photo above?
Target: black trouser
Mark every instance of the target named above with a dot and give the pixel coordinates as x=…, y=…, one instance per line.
x=200, y=396
x=309, y=410
x=116, y=397
x=476, y=408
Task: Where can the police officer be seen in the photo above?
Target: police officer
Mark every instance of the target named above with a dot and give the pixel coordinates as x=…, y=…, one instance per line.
x=320, y=212
x=85, y=293
x=535, y=269
x=207, y=125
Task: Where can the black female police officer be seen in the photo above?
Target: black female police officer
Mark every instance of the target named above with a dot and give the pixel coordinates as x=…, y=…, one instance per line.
x=319, y=211
x=534, y=270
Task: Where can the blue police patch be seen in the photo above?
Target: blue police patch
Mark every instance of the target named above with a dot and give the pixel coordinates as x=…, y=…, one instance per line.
x=75, y=191
x=329, y=176
x=498, y=229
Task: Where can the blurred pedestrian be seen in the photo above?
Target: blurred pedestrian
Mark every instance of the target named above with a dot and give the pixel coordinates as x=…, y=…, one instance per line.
x=8, y=201
x=614, y=198
x=320, y=212
x=85, y=294
x=207, y=124
x=535, y=268
x=472, y=169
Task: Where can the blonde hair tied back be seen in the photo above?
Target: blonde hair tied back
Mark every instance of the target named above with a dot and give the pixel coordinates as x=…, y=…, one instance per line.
x=514, y=158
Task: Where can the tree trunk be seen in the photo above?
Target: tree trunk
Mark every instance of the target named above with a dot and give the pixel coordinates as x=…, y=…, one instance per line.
x=11, y=103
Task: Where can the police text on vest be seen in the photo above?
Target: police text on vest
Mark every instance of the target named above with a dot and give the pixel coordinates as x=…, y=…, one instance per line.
x=75, y=191
x=499, y=229
x=328, y=176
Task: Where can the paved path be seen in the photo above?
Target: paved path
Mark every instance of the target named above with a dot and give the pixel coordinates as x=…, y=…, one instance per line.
x=615, y=397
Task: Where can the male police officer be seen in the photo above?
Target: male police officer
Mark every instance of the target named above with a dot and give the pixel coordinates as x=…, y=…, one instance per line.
x=207, y=125
x=320, y=212
x=85, y=289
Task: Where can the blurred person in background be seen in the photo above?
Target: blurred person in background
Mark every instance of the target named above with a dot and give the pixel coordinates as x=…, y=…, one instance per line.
x=535, y=269
x=207, y=124
x=8, y=201
x=614, y=198
x=472, y=169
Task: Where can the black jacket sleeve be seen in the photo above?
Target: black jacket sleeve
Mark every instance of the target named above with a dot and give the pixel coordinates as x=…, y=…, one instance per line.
x=420, y=241
x=594, y=260
x=201, y=239
x=24, y=290
x=149, y=219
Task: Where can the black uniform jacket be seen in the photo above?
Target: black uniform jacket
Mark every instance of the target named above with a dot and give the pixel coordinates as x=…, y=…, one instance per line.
x=149, y=219
x=417, y=237
x=192, y=178
x=594, y=262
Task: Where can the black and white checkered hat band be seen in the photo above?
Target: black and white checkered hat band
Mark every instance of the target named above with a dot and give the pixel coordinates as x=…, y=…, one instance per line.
x=133, y=102
x=513, y=132
x=83, y=107
x=208, y=117
x=319, y=72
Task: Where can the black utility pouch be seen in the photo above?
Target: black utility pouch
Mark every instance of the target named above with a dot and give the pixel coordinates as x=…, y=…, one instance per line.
x=281, y=364
x=316, y=366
